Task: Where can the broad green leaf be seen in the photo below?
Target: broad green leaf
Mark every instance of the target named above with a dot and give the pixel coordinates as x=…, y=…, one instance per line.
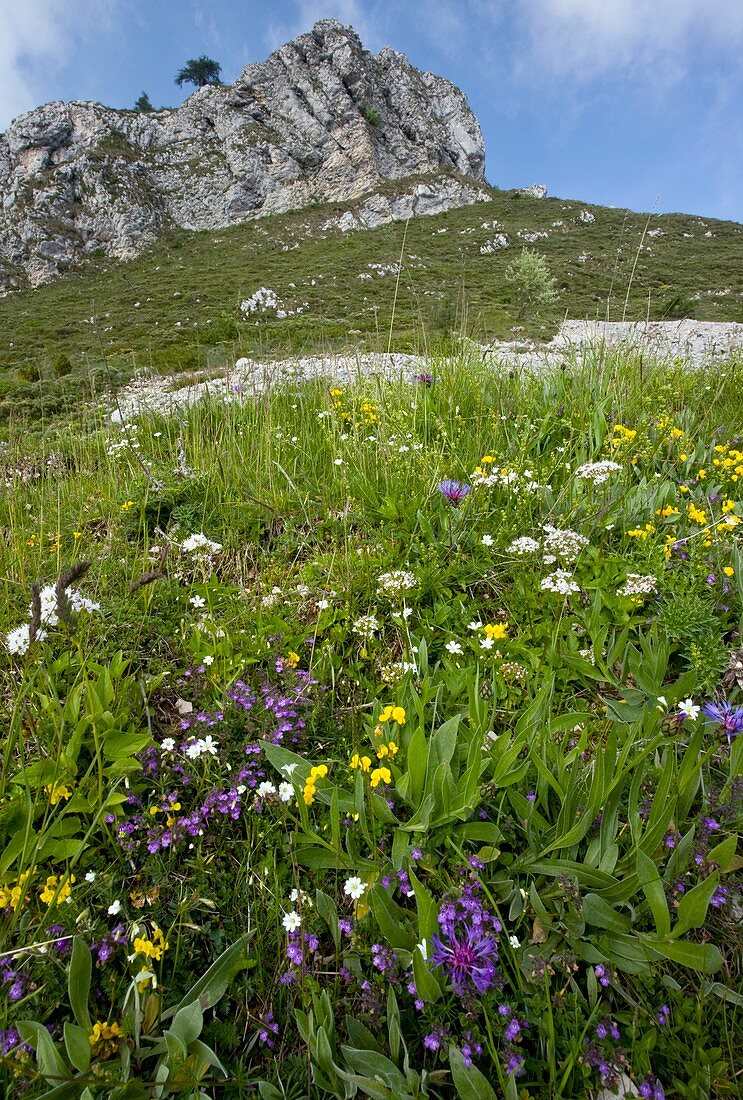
x=187, y=1023
x=704, y=957
x=652, y=887
x=77, y=1045
x=468, y=1081
x=600, y=914
x=692, y=910
x=211, y=986
x=78, y=982
x=426, y=983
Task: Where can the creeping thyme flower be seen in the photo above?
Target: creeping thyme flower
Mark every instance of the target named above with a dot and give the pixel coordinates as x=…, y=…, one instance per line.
x=452, y=491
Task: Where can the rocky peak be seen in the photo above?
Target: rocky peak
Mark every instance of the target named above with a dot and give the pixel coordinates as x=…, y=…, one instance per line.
x=320, y=120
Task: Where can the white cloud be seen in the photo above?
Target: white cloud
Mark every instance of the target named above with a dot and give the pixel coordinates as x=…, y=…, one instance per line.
x=586, y=38
x=36, y=38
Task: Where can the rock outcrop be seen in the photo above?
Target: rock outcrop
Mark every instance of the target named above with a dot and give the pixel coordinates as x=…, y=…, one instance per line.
x=321, y=120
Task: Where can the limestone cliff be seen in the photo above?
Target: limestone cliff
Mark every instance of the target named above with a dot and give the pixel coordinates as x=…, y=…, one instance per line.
x=321, y=120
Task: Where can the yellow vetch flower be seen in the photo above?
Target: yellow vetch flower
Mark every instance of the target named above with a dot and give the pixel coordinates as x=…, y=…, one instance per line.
x=104, y=1039
x=57, y=791
x=390, y=749
x=392, y=713
x=151, y=948
x=696, y=514
x=363, y=762
x=56, y=891
x=380, y=775
x=292, y=659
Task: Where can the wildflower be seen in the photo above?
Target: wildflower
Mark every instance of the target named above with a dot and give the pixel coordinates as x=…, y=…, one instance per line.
x=487, y=540
x=390, y=749
x=602, y=974
x=663, y=1015
x=474, y=625
x=393, y=714
x=468, y=956
x=323, y=605
x=363, y=762
x=365, y=626
x=286, y=792
x=497, y=631
x=354, y=888
x=207, y=660
x=727, y=716
x=90, y=876
x=265, y=789
x=487, y=643
x=200, y=546
x=380, y=775
x=728, y=571
x=689, y=709
x=396, y=583
x=454, y=648
x=452, y=491
x=524, y=545
x=167, y=744
x=565, y=544
x=56, y=891
x=114, y=908
x=151, y=948
x=597, y=472
x=57, y=792
x=514, y=942
x=104, y=1039
x=291, y=921
x=638, y=584
x=560, y=582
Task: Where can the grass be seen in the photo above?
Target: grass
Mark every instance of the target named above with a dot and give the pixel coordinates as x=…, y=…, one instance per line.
x=460, y=740
x=177, y=306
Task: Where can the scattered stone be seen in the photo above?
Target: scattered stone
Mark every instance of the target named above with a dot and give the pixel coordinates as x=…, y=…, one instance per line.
x=537, y=191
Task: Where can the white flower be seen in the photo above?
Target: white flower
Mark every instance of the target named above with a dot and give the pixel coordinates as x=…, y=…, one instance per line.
x=638, y=584
x=453, y=648
x=17, y=640
x=487, y=540
x=661, y=703
x=200, y=544
x=366, y=626
x=423, y=948
x=337, y=461
x=208, y=660
x=90, y=877
x=564, y=544
x=114, y=908
x=288, y=768
x=560, y=582
x=208, y=744
x=474, y=625
x=487, y=643
x=291, y=922
x=323, y=605
x=197, y=601
x=597, y=472
x=524, y=545
x=265, y=789
x=354, y=888
x=514, y=942
x=406, y=612
x=286, y=792
x=689, y=709
x=194, y=750
x=167, y=744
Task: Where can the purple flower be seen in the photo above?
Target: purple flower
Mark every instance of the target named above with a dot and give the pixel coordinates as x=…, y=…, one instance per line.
x=514, y=1064
x=425, y=378
x=602, y=974
x=454, y=492
x=726, y=715
x=468, y=956
x=663, y=1015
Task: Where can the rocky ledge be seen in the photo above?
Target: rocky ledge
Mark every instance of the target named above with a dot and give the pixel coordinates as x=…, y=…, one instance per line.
x=321, y=120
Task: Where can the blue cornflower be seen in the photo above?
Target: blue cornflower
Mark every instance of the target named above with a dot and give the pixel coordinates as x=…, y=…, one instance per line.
x=454, y=492
x=468, y=955
x=726, y=715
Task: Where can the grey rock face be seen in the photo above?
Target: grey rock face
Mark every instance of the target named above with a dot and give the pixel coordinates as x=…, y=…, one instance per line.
x=537, y=191
x=321, y=120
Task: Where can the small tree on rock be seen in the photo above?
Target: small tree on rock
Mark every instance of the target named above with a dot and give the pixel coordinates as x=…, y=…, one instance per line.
x=199, y=71
x=534, y=286
x=143, y=103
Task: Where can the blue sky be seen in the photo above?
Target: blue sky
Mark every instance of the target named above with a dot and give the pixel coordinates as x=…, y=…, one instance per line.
x=634, y=103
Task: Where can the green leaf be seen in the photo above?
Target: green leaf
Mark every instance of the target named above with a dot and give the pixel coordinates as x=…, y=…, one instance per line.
x=692, y=910
x=77, y=1045
x=468, y=1081
x=652, y=887
x=427, y=984
x=417, y=764
x=371, y=1064
x=211, y=986
x=187, y=1023
x=723, y=853
x=602, y=915
x=704, y=957
x=327, y=911
x=269, y=1092
x=392, y=920
x=78, y=982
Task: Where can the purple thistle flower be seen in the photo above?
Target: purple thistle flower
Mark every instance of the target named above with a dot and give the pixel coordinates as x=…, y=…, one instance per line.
x=727, y=716
x=468, y=957
x=425, y=378
x=454, y=492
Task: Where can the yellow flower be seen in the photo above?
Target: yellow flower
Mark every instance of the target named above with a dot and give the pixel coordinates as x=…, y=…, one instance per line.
x=154, y=948
x=309, y=792
x=56, y=892
x=487, y=458
x=57, y=791
x=683, y=488
x=104, y=1039
x=728, y=506
x=77, y=534
x=363, y=762
x=126, y=506
x=729, y=571
x=292, y=659
x=392, y=713
x=682, y=457
x=497, y=631
x=380, y=775
x=321, y=770
x=701, y=474
x=696, y=514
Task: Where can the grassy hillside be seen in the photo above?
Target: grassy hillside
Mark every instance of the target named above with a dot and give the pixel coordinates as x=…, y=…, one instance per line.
x=177, y=306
